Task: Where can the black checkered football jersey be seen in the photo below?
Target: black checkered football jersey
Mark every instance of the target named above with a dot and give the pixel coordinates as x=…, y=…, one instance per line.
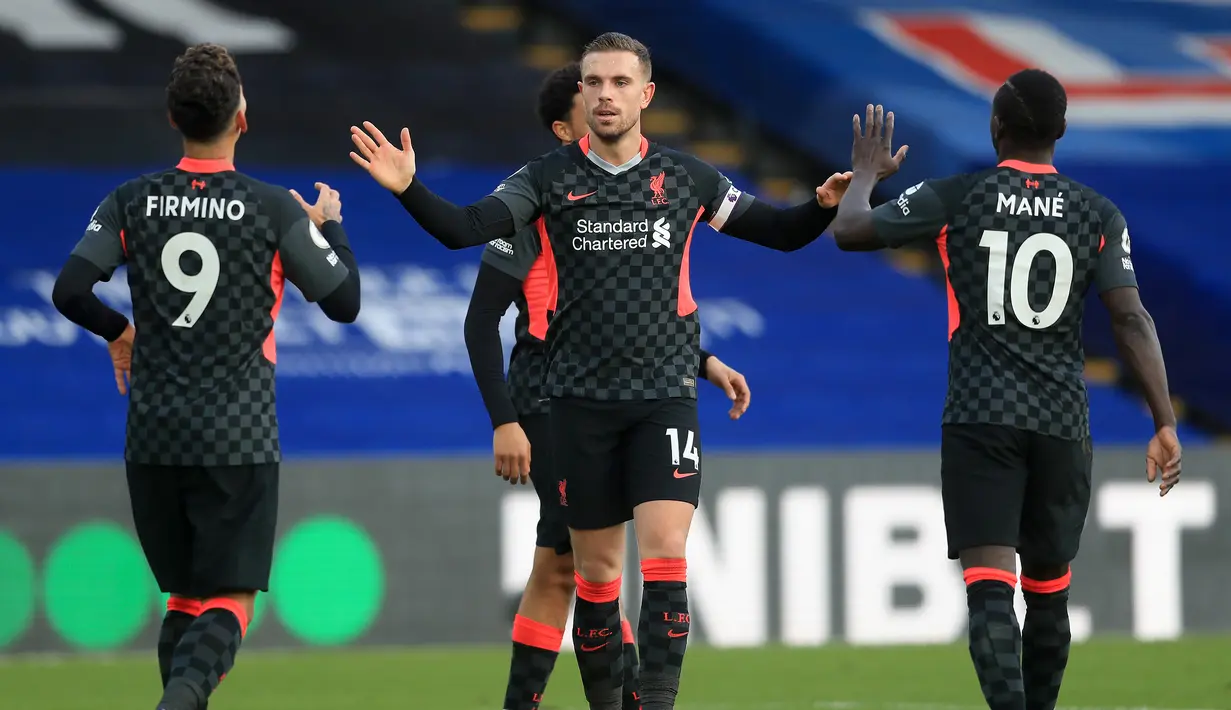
x=207, y=250
x=527, y=257
x=1021, y=245
x=625, y=326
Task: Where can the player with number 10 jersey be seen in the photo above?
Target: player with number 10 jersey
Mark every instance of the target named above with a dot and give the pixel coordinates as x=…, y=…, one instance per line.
x=1021, y=244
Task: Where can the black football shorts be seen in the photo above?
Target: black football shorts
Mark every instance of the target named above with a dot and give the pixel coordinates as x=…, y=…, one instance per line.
x=611, y=457
x=1014, y=488
x=206, y=530
x=552, y=528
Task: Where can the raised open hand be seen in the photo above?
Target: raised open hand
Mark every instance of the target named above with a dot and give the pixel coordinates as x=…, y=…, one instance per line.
x=392, y=167
x=873, y=145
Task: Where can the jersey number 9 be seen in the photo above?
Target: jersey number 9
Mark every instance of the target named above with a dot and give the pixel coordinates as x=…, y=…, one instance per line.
x=201, y=284
x=997, y=243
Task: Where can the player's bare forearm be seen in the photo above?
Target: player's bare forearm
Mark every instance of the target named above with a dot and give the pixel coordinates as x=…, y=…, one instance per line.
x=1140, y=350
x=457, y=227
x=853, y=228
x=781, y=229
x=73, y=296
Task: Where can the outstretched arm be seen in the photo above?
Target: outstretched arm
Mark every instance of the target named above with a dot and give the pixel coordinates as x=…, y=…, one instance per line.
x=782, y=229
x=854, y=227
x=458, y=227
x=514, y=204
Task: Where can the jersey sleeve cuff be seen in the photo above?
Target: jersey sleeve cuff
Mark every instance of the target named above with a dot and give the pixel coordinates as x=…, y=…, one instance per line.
x=334, y=234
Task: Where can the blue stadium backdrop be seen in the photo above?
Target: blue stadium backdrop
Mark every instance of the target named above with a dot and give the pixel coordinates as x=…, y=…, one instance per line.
x=841, y=350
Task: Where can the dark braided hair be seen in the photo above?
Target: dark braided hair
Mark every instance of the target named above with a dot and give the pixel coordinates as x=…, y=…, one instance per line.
x=203, y=93
x=557, y=92
x=1031, y=106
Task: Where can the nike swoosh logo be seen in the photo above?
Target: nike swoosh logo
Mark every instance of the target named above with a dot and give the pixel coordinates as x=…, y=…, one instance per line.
x=685, y=475
x=587, y=649
x=672, y=633
x=574, y=198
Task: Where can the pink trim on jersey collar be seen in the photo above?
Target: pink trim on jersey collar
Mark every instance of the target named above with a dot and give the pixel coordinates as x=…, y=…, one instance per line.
x=198, y=165
x=584, y=144
x=1035, y=168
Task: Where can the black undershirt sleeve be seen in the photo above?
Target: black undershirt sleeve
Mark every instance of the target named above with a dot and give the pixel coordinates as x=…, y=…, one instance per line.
x=73, y=296
x=705, y=356
x=342, y=304
x=783, y=229
x=494, y=292
x=458, y=227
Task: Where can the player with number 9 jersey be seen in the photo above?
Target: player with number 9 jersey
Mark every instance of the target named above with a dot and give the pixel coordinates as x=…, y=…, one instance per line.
x=208, y=252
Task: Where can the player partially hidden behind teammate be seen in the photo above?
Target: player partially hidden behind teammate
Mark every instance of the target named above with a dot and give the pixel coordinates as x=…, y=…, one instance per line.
x=518, y=271
x=1021, y=245
x=618, y=213
x=207, y=250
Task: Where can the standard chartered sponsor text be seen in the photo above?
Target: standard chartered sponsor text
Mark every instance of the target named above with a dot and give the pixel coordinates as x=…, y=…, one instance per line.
x=638, y=235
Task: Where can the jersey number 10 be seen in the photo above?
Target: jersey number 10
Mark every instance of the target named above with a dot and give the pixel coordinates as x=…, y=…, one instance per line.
x=997, y=244
x=201, y=284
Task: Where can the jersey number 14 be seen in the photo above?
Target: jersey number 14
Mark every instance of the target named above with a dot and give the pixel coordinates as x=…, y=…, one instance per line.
x=201, y=284
x=997, y=243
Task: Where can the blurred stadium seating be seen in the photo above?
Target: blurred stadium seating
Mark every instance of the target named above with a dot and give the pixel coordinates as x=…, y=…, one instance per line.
x=845, y=353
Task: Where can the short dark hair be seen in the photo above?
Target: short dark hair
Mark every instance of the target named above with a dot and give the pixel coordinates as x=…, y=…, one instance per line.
x=557, y=92
x=1031, y=106
x=203, y=92
x=619, y=42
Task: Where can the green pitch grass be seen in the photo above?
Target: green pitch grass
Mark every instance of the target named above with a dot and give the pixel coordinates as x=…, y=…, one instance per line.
x=1193, y=674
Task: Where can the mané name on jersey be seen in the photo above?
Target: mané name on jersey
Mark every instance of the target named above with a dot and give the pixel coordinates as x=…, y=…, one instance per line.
x=1021, y=245
x=208, y=250
x=625, y=326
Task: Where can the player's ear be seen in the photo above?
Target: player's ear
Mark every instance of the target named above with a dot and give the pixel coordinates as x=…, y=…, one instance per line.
x=562, y=131
x=1064, y=126
x=647, y=95
x=172, y=121
x=241, y=114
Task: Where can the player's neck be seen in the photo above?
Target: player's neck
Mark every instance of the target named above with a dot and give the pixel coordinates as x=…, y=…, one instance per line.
x=217, y=150
x=1041, y=156
x=619, y=151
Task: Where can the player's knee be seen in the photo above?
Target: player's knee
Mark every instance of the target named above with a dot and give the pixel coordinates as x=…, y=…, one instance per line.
x=599, y=564
x=599, y=569
x=555, y=577
x=662, y=543
x=598, y=555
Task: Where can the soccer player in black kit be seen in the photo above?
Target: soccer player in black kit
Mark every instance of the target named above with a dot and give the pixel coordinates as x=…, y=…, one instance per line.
x=518, y=271
x=623, y=348
x=1021, y=245
x=208, y=252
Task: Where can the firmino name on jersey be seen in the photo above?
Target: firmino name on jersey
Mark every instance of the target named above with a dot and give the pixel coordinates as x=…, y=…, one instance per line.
x=199, y=207
x=1030, y=206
